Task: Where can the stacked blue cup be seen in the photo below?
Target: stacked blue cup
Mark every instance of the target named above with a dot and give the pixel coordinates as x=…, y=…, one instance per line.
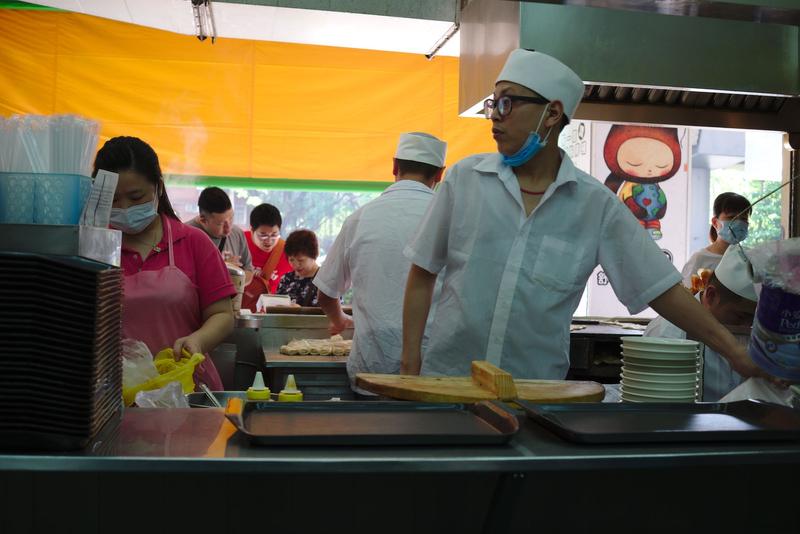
x=42, y=198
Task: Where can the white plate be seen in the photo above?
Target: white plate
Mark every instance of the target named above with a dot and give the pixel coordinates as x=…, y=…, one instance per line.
x=627, y=395
x=667, y=390
x=638, y=399
x=653, y=367
x=672, y=390
x=658, y=353
x=661, y=378
x=693, y=361
x=659, y=343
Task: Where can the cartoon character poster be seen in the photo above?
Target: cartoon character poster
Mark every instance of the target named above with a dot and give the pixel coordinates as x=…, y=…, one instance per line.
x=641, y=157
x=646, y=167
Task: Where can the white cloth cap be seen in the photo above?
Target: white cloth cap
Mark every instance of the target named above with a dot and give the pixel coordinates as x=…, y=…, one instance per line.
x=734, y=273
x=544, y=75
x=422, y=147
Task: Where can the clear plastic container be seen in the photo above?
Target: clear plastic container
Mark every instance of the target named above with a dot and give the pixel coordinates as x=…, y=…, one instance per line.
x=46, y=198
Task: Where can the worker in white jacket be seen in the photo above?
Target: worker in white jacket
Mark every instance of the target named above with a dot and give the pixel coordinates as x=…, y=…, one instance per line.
x=519, y=232
x=731, y=298
x=368, y=255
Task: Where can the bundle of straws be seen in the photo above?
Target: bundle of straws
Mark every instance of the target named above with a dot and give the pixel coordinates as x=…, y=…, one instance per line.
x=47, y=144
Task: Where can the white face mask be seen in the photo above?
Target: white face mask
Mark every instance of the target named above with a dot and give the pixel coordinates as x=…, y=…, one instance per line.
x=134, y=219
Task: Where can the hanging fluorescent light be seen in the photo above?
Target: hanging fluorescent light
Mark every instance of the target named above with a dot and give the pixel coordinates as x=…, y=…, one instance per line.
x=204, y=26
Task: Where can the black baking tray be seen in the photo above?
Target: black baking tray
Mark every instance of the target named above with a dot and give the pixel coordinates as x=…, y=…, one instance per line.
x=746, y=420
x=374, y=423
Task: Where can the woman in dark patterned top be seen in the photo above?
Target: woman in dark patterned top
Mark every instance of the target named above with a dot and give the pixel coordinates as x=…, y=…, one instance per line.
x=302, y=249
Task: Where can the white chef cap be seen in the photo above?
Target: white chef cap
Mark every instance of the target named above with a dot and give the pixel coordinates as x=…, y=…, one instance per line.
x=421, y=147
x=544, y=75
x=734, y=273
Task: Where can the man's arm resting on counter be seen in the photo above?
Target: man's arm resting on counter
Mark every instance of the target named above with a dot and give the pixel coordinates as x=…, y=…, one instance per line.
x=333, y=309
x=416, y=305
x=681, y=309
x=217, y=325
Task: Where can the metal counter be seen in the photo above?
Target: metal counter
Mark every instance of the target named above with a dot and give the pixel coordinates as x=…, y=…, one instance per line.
x=538, y=481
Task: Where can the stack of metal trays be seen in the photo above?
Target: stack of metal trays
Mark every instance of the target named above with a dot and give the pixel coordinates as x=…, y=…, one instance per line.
x=60, y=354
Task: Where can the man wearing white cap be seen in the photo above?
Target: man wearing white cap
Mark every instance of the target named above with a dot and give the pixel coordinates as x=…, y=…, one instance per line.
x=519, y=232
x=731, y=298
x=368, y=254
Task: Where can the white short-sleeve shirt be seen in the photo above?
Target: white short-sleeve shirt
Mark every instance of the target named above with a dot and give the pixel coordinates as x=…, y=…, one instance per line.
x=368, y=253
x=512, y=282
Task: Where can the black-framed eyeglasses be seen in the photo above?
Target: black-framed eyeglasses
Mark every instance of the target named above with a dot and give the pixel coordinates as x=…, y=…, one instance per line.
x=503, y=104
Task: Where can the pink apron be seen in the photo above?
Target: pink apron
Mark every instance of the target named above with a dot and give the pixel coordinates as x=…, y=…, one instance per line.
x=161, y=306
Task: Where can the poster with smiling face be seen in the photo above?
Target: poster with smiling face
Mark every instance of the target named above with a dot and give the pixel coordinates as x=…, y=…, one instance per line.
x=645, y=166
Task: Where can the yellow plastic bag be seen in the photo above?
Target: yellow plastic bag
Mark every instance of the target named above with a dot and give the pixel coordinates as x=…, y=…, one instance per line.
x=169, y=371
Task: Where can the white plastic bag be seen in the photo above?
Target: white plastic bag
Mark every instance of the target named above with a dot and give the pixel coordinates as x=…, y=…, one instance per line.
x=777, y=263
x=170, y=396
x=137, y=363
x=759, y=389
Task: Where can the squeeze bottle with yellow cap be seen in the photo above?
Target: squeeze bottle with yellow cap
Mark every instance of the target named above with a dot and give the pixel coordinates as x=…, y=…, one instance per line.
x=258, y=391
x=290, y=393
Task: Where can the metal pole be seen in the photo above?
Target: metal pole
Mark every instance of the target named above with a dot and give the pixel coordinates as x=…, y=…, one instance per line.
x=794, y=195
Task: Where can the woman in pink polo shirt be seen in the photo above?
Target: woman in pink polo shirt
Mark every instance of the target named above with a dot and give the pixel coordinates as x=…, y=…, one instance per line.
x=177, y=289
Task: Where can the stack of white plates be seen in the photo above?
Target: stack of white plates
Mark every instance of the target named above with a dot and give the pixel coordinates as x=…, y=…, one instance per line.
x=659, y=370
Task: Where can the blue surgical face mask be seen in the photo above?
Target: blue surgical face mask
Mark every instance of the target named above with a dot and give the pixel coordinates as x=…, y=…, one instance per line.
x=734, y=232
x=134, y=219
x=530, y=148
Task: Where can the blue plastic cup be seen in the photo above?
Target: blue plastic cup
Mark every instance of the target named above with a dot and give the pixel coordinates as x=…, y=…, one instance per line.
x=59, y=198
x=17, y=198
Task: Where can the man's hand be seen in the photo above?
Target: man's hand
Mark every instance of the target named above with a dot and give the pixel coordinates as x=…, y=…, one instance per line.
x=339, y=324
x=227, y=257
x=742, y=363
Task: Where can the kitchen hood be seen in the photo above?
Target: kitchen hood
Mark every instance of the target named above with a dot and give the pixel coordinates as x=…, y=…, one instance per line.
x=733, y=64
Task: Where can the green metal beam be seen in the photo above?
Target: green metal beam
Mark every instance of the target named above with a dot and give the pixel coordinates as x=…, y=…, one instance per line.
x=281, y=184
x=27, y=6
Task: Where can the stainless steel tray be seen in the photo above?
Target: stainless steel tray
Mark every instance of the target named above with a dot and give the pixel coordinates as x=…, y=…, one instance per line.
x=277, y=330
x=746, y=420
x=374, y=423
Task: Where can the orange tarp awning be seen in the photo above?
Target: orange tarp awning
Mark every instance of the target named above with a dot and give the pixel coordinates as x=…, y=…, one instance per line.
x=235, y=108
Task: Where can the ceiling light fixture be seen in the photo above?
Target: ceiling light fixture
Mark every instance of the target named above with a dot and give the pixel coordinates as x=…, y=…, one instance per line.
x=203, y=20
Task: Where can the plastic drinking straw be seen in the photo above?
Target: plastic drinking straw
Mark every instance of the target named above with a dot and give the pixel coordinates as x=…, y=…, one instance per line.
x=20, y=161
x=30, y=134
x=5, y=145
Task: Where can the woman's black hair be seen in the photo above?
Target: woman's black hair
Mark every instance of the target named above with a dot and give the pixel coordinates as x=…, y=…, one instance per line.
x=302, y=242
x=132, y=154
x=732, y=203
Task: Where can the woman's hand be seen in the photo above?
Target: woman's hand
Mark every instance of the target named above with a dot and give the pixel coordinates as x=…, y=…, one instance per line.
x=190, y=343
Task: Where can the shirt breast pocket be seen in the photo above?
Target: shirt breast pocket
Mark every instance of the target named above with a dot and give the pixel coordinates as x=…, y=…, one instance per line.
x=559, y=265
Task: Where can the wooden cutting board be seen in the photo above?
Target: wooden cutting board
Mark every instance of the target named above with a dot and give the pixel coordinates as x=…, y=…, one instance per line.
x=464, y=389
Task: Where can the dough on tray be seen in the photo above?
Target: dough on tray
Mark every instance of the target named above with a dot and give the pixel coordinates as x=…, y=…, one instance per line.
x=335, y=346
